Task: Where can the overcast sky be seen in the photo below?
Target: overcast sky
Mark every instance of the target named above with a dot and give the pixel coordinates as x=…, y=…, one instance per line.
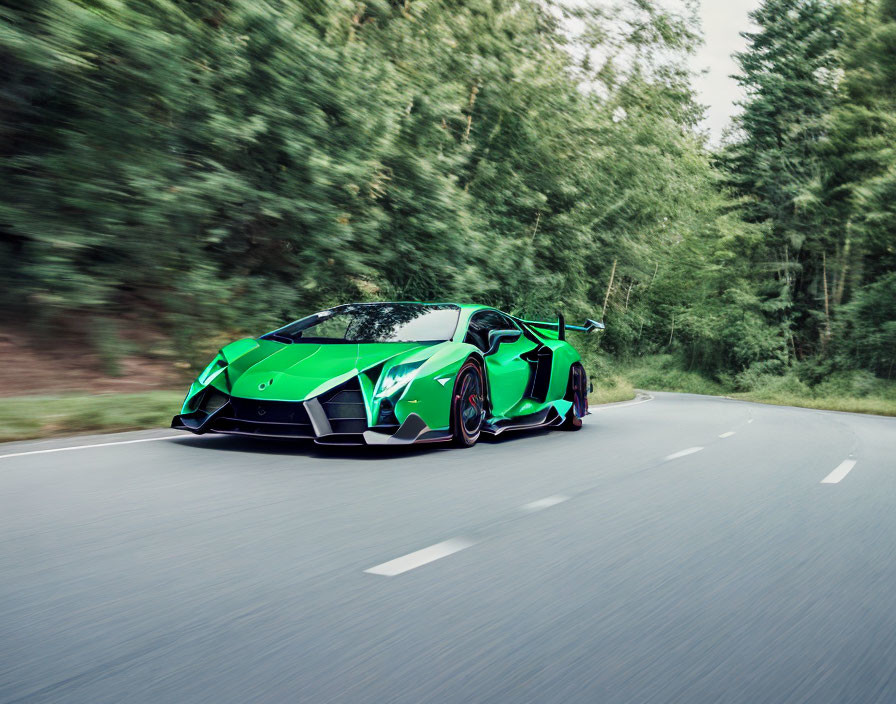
x=722, y=22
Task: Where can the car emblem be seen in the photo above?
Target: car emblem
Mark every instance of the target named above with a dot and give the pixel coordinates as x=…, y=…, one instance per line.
x=261, y=411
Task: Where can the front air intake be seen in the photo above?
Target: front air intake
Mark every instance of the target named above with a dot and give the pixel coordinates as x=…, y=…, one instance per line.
x=212, y=400
x=243, y=416
x=345, y=408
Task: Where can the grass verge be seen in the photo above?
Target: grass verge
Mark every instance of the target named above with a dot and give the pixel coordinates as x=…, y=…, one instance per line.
x=611, y=390
x=853, y=392
x=27, y=417
x=868, y=404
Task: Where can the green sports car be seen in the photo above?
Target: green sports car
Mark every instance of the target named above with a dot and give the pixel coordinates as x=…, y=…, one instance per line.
x=393, y=373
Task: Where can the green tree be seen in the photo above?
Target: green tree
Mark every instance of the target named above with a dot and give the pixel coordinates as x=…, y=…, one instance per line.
x=790, y=73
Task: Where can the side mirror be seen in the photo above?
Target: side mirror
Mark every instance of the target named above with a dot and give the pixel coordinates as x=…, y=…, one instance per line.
x=496, y=337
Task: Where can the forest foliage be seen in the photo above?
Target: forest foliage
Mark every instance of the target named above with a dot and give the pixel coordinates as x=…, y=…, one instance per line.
x=217, y=167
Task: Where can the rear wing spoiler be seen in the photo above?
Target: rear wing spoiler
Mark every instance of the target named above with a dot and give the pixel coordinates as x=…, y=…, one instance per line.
x=559, y=327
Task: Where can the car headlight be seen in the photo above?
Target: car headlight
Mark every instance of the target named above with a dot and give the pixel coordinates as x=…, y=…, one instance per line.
x=212, y=370
x=397, y=377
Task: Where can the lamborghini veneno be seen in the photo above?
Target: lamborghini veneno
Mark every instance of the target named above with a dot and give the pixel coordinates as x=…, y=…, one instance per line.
x=393, y=373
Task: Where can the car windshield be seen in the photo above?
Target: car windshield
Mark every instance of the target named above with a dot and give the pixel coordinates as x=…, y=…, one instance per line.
x=373, y=322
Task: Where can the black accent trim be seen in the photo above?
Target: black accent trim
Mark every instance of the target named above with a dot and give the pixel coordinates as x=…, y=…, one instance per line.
x=198, y=421
x=435, y=436
x=269, y=430
x=411, y=429
x=340, y=439
x=497, y=337
x=374, y=373
x=386, y=415
x=276, y=412
x=388, y=428
x=343, y=409
x=528, y=421
x=242, y=416
x=530, y=334
x=190, y=421
x=541, y=360
x=281, y=419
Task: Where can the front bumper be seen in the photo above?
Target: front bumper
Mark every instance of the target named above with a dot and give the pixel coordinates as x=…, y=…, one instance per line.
x=337, y=417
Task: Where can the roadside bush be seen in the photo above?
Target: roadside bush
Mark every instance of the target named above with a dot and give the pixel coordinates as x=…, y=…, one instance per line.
x=754, y=381
x=770, y=375
x=858, y=383
x=815, y=370
x=870, y=335
x=599, y=367
x=666, y=373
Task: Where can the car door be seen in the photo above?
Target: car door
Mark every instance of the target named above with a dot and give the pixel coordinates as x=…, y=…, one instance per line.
x=508, y=373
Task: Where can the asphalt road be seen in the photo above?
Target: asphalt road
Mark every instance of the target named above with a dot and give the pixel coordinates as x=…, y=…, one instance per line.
x=653, y=556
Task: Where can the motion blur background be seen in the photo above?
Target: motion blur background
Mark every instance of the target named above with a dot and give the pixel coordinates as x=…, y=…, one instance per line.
x=176, y=175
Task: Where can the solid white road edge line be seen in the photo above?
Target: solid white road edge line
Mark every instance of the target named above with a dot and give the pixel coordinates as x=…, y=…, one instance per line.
x=682, y=453
x=86, y=447
x=546, y=502
x=841, y=471
x=420, y=557
x=727, y=435
x=620, y=404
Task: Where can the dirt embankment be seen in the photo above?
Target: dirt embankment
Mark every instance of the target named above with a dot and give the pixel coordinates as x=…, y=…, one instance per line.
x=30, y=367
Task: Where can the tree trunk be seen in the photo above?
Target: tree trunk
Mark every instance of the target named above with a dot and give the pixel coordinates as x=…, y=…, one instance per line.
x=844, y=268
x=609, y=286
x=535, y=229
x=827, y=310
x=473, y=94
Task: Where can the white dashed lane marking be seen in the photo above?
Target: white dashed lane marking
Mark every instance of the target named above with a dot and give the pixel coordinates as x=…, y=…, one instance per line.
x=841, y=471
x=683, y=453
x=545, y=503
x=727, y=435
x=420, y=557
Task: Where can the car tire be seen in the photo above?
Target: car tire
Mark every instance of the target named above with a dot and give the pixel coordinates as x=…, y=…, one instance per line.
x=468, y=405
x=577, y=392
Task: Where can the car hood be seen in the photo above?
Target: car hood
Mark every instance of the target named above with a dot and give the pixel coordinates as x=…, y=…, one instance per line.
x=282, y=372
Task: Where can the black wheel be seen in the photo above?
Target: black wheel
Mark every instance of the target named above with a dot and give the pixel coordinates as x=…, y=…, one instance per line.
x=468, y=405
x=577, y=392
